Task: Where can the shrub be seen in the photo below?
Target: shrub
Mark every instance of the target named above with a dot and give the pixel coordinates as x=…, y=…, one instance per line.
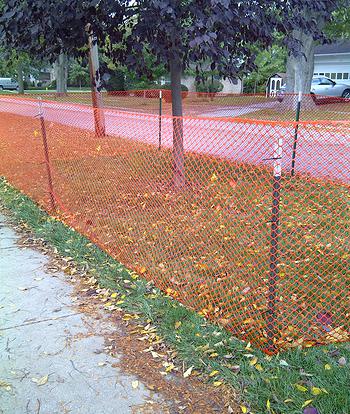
x=167, y=92
x=116, y=82
x=209, y=86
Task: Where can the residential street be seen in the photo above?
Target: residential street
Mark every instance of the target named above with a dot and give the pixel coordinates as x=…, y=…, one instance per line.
x=56, y=345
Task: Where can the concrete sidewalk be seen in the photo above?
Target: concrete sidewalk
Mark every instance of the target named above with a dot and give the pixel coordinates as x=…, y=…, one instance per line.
x=54, y=355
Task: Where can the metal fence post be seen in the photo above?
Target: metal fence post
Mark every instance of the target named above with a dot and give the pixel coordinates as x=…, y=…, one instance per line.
x=274, y=247
x=47, y=158
x=160, y=120
x=297, y=118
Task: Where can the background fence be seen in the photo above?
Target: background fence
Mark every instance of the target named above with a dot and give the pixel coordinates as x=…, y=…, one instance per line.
x=245, y=243
x=213, y=105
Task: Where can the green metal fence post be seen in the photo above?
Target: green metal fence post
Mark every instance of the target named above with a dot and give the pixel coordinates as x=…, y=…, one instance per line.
x=297, y=118
x=274, y=249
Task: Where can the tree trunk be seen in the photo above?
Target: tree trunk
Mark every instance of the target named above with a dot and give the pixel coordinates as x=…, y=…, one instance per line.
x=300, y=68
x=95, y=79
x=20, y=77
x=61, y=73
x=178, y=148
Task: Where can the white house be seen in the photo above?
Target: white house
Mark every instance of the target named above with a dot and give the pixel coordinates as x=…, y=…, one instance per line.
x=333, y=61
x=229, y=87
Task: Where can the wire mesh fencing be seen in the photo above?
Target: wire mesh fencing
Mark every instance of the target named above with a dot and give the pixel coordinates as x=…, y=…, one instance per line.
x=240, y=239
x=212, y=105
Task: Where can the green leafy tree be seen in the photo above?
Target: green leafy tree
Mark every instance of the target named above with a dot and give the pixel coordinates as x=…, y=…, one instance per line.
x=339, y=26
x=78, y=74
x=267, y=63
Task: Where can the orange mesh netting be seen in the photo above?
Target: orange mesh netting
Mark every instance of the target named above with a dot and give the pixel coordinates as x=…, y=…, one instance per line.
x=200, y=104
x=244, y=242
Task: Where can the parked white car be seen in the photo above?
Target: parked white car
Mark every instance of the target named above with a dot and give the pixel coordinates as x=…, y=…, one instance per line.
x=328, y=87
x=8, y=83
x=323, y=87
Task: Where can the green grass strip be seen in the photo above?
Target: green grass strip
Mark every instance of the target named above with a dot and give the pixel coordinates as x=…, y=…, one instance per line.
x=283, y=384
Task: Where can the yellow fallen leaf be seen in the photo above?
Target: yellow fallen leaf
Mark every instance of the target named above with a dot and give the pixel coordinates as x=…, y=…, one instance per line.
x=36, y=133
x=202, y=266
x=143, y=270
x=213, y=178
x=213, y=373
x=259, y=367
x=135, y=384
x=253, y=361
x=300, y=387
x=288, y=400
x=327, y=367
x=170, y=368
x=41, y=381
x=268, y=405
x=217, y=383
x=177, y=324
x=244, y=409
x=114, y=295
x=308, y=402
x=316, y=391
x=188, y=372
x=5, y=385
x=98, y=148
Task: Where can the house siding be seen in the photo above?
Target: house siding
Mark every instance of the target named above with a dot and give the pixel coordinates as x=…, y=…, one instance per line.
x=229, y=87
x=333, y=66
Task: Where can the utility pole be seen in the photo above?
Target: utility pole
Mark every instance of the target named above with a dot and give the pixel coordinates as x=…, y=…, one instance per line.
x=94, y=66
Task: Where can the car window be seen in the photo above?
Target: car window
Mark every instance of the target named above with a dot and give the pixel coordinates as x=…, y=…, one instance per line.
x=325, y=81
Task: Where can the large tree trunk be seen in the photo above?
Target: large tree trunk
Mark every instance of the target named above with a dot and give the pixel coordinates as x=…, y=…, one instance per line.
x=178, y=147
x=20, y=77
x=95, y=79
x=300, y=68
x=61, y=73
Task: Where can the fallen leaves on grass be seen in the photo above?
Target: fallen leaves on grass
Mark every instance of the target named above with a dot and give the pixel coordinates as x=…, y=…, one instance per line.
x=188, y=372
x=6, y=385
x=41, y=381
x=300, y=388
x=306, y=403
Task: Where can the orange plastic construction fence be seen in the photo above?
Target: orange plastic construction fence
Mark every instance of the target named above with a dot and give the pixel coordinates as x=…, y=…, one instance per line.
x=213, y=105
x=209, y=209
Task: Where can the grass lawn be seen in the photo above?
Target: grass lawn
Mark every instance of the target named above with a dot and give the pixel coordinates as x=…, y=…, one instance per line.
x=281, y=384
